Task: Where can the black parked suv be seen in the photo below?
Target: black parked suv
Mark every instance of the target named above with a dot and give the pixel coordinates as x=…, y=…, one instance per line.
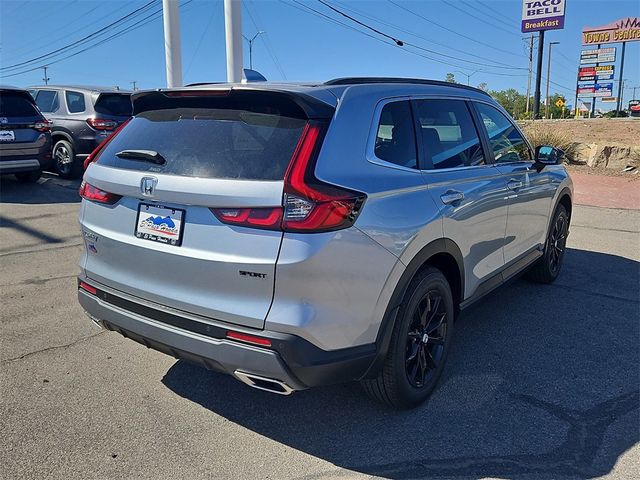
x=25, y=138
x=82, y=117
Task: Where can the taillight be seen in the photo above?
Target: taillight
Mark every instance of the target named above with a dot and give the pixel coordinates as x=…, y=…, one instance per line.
x=42, y=126
x=266, y=218
x=243, y=337
x=309, y=205
x=102, y=124
x=93, y=155
x=88, y=288
x=94, y=194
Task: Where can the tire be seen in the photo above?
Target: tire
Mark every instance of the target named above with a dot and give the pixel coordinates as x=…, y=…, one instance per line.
x=66, y=163
x=408, y=375
x=29, y=177
x=547, y=269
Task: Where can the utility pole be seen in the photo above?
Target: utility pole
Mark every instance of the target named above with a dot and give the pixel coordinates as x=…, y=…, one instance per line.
x=546, y=102
x=536, y=97
x=46, y=79
x=530, y=70
x=250, y=40
x=134, y=83
x=172, y=49
x=619, y=105
x=233, y=34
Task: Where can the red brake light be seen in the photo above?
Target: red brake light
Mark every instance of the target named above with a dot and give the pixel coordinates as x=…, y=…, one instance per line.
x=92, y=156
x=264, y=342
x=88, y=288
x=198, y=93
x=42, y=126
x=266, y=218
x=102, y=124
x=94, y=194
x=309, y=204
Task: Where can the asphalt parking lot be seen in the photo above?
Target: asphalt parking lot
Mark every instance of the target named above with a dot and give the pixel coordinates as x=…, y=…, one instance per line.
x=542, y=381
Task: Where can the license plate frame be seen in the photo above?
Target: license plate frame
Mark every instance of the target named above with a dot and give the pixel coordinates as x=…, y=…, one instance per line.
x=7, y=136
x=167, y=229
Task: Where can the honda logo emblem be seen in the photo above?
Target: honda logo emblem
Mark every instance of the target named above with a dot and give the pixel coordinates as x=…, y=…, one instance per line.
x=148, y=185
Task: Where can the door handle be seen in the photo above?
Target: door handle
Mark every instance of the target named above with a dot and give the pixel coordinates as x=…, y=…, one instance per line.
x=513, y=185
x=451, y=196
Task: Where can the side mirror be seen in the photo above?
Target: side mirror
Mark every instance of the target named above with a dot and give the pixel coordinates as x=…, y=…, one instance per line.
x=547, y=155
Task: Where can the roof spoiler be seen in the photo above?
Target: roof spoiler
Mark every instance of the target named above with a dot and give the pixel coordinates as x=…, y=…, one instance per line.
x=210, y=95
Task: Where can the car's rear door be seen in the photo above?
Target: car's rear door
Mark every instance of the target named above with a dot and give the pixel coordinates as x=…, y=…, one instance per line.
x=530, y=192
x=468, y=188
x=161, y=239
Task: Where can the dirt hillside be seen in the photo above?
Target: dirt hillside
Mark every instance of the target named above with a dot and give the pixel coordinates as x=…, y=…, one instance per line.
x=603, y=131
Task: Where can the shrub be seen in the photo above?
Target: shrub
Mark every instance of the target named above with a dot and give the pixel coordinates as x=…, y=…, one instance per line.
x=540, y=133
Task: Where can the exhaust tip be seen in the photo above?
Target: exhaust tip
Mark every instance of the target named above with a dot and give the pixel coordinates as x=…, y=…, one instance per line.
x=263, y=383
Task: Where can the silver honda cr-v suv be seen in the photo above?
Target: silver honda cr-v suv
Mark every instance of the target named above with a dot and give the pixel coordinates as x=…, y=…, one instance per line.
x=296, y=235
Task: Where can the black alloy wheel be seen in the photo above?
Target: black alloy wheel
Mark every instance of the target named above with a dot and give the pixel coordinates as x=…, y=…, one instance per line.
x=425, y=339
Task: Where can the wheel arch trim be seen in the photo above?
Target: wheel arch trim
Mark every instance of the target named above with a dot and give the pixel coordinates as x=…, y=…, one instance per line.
x=421, y=259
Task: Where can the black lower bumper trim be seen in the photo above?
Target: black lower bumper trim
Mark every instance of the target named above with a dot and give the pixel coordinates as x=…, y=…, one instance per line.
x=311, y=365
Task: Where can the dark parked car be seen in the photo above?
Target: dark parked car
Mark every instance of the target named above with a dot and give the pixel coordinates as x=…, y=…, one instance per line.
x=82, y=117
x=25, y=137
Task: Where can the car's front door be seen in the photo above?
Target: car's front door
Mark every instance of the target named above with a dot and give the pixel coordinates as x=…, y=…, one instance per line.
x=530, y=192
x=468, y=188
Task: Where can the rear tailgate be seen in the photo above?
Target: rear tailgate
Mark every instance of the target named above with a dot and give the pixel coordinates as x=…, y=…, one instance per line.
x=18, y=119
x=160, y=239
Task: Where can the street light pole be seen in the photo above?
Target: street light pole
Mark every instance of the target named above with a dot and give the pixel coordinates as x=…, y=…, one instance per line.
x=546, y=103
x=250, y=41
x=468, y=75
x=233, y=34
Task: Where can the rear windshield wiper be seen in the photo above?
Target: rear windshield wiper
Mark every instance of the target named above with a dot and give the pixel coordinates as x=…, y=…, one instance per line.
x=144, y=155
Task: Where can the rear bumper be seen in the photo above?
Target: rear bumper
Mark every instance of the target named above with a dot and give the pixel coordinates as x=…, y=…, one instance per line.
x=17, y=166
x=291, y=360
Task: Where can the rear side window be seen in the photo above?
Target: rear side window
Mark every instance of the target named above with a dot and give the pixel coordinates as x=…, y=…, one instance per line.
x=395, y=138
x=75, y=101
x=507, y=143
x=47, y=101
x=449, y=136
x=209, y=142
x=16, y=105
x=118, y=104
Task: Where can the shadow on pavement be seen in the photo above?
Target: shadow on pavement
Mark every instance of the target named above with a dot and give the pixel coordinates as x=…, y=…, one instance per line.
x=542, y=382
x=49, y=189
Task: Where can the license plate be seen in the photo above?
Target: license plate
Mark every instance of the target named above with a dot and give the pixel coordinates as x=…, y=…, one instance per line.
x=160, y=224
x=7, y=136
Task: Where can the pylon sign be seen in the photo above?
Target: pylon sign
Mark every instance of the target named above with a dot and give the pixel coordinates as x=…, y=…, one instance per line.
x=542, y=15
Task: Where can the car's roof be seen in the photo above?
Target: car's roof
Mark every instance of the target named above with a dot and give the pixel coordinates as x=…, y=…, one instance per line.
x=336, y=87
x=87, y=88
x=11, y=87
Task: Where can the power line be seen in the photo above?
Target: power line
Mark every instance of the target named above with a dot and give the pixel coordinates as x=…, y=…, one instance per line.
x=475, y=40
x=497, y=12
x=265, y=39
x=409, y=32
x=305, y=8
x=141, y=23
x=398, y=42
x=137, y=11
x=401, y=43
x=499, y=27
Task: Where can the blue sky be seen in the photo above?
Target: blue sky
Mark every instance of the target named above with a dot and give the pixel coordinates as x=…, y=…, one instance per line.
x=300, y=45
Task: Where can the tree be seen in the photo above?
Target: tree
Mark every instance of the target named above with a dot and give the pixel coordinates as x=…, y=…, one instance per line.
x=511, y=100
x=451, y=78
x=483, y=86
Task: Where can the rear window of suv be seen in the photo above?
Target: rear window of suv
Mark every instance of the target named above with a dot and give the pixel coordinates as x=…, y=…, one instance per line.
x=210, y=142
x=114, y=104
x=16, y=105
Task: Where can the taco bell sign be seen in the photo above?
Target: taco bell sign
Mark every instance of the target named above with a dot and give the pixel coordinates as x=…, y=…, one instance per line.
x=542, y=15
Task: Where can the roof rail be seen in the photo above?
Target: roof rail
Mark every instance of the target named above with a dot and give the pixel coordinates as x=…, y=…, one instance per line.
x=416, y=81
